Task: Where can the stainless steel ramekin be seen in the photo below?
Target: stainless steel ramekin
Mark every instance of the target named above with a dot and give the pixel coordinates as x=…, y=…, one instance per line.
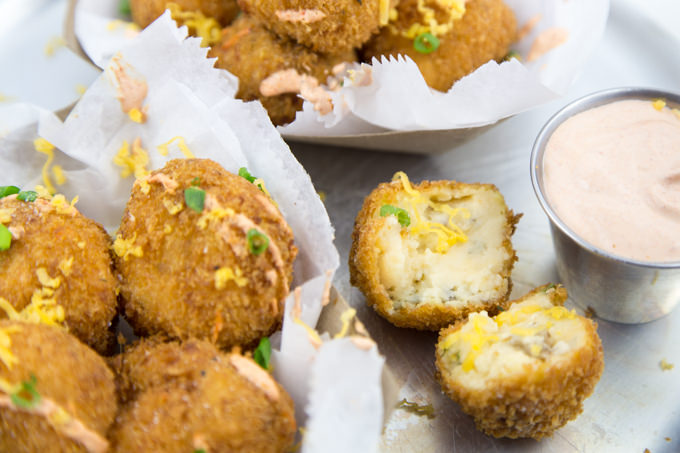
x=616, y=288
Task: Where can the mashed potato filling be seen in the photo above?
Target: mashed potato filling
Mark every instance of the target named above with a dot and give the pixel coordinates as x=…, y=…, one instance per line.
x=532, y=334
x=415, y=268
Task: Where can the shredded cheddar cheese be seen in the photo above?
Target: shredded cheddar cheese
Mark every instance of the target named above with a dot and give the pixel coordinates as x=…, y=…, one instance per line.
x=447, y=236
x=384, y=12
x=312, y=334
x=66, y=266
x=206, y=28
x=125, y=248
x=43, y=146
x=43, y=192
x=173, y=208
x=455, y=9
x=6, y=215
x=215, y=214
x=659, y=104
x=137, y=115
x=484, y=330
x=45, y=279
x=345, y=318
x=59, y=176
x=224, y=275
x=163, y=149
x=132, y=160
x=6, y=355
x=167, y=229
x=62, y=206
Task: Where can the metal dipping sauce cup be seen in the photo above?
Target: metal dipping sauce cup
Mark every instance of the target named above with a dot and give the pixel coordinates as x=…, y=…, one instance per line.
x=616, y=288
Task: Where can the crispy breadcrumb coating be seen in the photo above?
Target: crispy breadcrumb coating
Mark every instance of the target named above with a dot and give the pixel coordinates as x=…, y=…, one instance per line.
x=190, y=271
x=527, y=372
x=64, y=373
x=60, y=255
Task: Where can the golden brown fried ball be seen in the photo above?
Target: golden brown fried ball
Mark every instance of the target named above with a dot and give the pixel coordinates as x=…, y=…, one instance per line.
x=68, y=397
x=252, y=53
x=155, y=361
x=58, y=256
x=525, y=372
x=484, y=33
x=186, y=273
x=427, y=255
x=190, y=396
x=329, y=27
x=146, y=11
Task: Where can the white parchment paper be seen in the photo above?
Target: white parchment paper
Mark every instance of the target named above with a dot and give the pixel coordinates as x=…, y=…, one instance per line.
x=188, y=98
x=398, y=98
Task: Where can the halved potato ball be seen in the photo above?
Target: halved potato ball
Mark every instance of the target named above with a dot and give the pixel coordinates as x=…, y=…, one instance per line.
x=444, y=45
x=427, y=255
x=56, y=394
x=58, y=268
x=524, y=372
x=203, y=253
x=189, y=397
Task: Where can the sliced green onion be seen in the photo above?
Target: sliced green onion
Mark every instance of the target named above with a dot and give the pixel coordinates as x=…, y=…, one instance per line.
x=5, y=238
x=8, y=190
x=257, y=242
x=27, y=195
x=263, y=353
x=513, y=54
x=401, y=214
x=124, y=7
x=244, y=173
x=199, y=450
x=194, y=198
x=426, y=43
x=196, y=181
x=27, y=396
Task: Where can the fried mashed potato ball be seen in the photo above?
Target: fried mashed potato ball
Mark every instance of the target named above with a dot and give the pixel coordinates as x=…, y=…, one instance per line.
x=56, y=394
x=485, y=32
x=217, y=270
x=524, y=372
x=58, y=265
x=328, y=27
x=425, y=256
x=253, y=54
x=190, y=396
x=146, y=11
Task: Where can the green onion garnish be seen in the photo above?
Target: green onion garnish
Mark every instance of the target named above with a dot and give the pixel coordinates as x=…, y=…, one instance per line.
x=8, y=190
x=199, y=450
x=426, y=43
x=27, y=396
x=257, y=242
x=5, y=238
x=196, y=181
x=194, y=198
x=27, y=195
x=244, y=173
x=124, y=7
x=263, y=353
x=401, y=214
x=513, y=54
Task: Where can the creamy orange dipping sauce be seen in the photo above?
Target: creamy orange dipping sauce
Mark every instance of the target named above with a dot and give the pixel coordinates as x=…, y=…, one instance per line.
x=612, y=175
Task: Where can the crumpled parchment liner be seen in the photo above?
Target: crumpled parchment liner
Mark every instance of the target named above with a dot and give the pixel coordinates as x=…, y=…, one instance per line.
x=187, y=97
x=399, y=99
